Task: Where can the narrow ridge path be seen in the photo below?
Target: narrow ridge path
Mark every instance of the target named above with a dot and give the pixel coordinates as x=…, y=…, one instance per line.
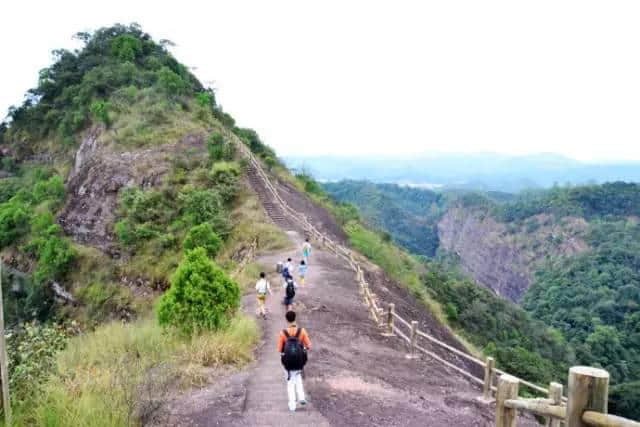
x=266, y=403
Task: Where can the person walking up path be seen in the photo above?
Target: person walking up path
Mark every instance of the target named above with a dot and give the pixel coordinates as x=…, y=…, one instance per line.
x=262, y=289
x=306, y=250
x=290, y=287
x=293, y=344
x=302, y=271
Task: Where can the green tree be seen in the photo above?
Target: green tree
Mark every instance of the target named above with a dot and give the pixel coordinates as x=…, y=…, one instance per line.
x=201, y=295
x=203, y=236
x=126, y=47
x=171, y=82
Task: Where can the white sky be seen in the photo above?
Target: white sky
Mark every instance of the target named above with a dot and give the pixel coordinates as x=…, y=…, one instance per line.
x=347, y=77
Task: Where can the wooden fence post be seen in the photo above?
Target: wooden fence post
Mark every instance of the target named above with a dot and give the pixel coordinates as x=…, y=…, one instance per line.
x=507, y=389
x=413, y=354
x=389, y=321
x=588, y=391
x=555, y=394
x=488, y=378
x=4, y=374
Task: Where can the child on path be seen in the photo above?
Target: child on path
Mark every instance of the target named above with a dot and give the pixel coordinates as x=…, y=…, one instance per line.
x=287, y=268
x=302, y=271
x=289, y=291
x=293, y=344
x=262, y=289
x=306, y=250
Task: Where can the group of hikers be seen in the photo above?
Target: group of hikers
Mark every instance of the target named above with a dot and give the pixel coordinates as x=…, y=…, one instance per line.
x=293, y=342
x=263, y=288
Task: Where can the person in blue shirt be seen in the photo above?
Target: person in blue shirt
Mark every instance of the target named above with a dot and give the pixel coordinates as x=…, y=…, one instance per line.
x=302, y=271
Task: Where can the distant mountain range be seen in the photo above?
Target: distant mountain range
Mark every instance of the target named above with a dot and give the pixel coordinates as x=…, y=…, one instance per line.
x=481, y=171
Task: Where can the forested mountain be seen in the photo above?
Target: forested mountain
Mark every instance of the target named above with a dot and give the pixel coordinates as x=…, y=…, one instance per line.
x=569, y=254
x=120, y=180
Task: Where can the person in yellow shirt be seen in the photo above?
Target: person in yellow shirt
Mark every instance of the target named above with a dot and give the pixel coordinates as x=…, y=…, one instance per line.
x=262, y=289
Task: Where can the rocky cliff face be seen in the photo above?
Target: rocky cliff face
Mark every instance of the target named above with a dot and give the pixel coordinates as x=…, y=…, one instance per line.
x=503, y=257
x=100, y=172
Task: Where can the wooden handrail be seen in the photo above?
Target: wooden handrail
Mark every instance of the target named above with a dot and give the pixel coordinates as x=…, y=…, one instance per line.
x=598, y=419
x=451, y=349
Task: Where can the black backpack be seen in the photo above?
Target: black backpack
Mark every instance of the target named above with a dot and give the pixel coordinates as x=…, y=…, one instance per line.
x=294, y=356
x=291, y=289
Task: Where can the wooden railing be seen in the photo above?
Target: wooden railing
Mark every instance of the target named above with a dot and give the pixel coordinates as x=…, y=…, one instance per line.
x=585, y=405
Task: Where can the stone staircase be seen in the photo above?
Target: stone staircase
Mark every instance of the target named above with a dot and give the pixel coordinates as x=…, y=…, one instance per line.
x=273, y=210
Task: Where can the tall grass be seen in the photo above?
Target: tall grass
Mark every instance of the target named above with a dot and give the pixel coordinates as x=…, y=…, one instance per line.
x=120, y=374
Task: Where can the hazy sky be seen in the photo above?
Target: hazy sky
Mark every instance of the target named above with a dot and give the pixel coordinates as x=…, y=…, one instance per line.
x=331, y=77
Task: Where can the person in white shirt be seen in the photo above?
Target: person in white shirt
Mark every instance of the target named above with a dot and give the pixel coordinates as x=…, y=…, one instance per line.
x=262, y=289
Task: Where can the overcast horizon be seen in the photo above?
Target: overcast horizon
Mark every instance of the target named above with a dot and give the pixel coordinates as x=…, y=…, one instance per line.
x=382, y=79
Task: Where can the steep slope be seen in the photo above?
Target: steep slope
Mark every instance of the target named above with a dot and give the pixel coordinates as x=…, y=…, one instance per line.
x=567, y=254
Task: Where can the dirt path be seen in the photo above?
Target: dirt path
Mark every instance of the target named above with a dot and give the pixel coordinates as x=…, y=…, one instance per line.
x=355, y=376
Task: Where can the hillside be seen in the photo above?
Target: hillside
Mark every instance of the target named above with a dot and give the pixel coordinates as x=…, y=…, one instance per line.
x=568, y=254
x=119, y=170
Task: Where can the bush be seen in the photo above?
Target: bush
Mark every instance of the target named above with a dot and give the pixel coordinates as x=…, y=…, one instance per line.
x=171, y=82
x=125, y=232
x=100, y=110
x=219, y=149
x=200, y=206
x=203, y=236
x=51, y=189
x=225, y=173
x=31, y=357
x=201, y=296
x=55, y=258
x=14, y=221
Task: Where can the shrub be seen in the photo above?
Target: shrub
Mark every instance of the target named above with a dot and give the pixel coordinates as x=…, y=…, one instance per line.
x=124, y=232
x=171, y=82
x=51, y=189
x=225, y=173
x=14, y=221
x=219, y=149
x=100, y=110
x=199, y=206
x=31, y=357
x=203, y=236
x=451, y=312
x=201, y=295
x=56, y=256
x=205, y=99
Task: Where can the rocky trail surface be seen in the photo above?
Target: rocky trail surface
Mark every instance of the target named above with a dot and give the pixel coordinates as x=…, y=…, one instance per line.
x=355, y=375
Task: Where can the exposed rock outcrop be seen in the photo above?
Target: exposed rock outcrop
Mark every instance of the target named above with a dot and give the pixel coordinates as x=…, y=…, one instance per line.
x=99, y=173
x=503, y=259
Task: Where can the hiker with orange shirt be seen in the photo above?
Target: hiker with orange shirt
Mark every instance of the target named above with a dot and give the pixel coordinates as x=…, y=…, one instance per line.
x=293, y=344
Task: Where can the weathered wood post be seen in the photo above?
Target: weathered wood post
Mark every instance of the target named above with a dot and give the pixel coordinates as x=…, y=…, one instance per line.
x=488, y=377
x=588, y=391
x=507, y=389
x=389, y=321
x=413, y=354
x=555, y=394
x=4, y=374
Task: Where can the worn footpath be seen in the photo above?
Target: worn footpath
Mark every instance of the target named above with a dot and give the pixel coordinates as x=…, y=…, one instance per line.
x=355, y=376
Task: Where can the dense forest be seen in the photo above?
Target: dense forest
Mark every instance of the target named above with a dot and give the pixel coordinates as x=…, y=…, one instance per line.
x=587, y=304
x=408, y=214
